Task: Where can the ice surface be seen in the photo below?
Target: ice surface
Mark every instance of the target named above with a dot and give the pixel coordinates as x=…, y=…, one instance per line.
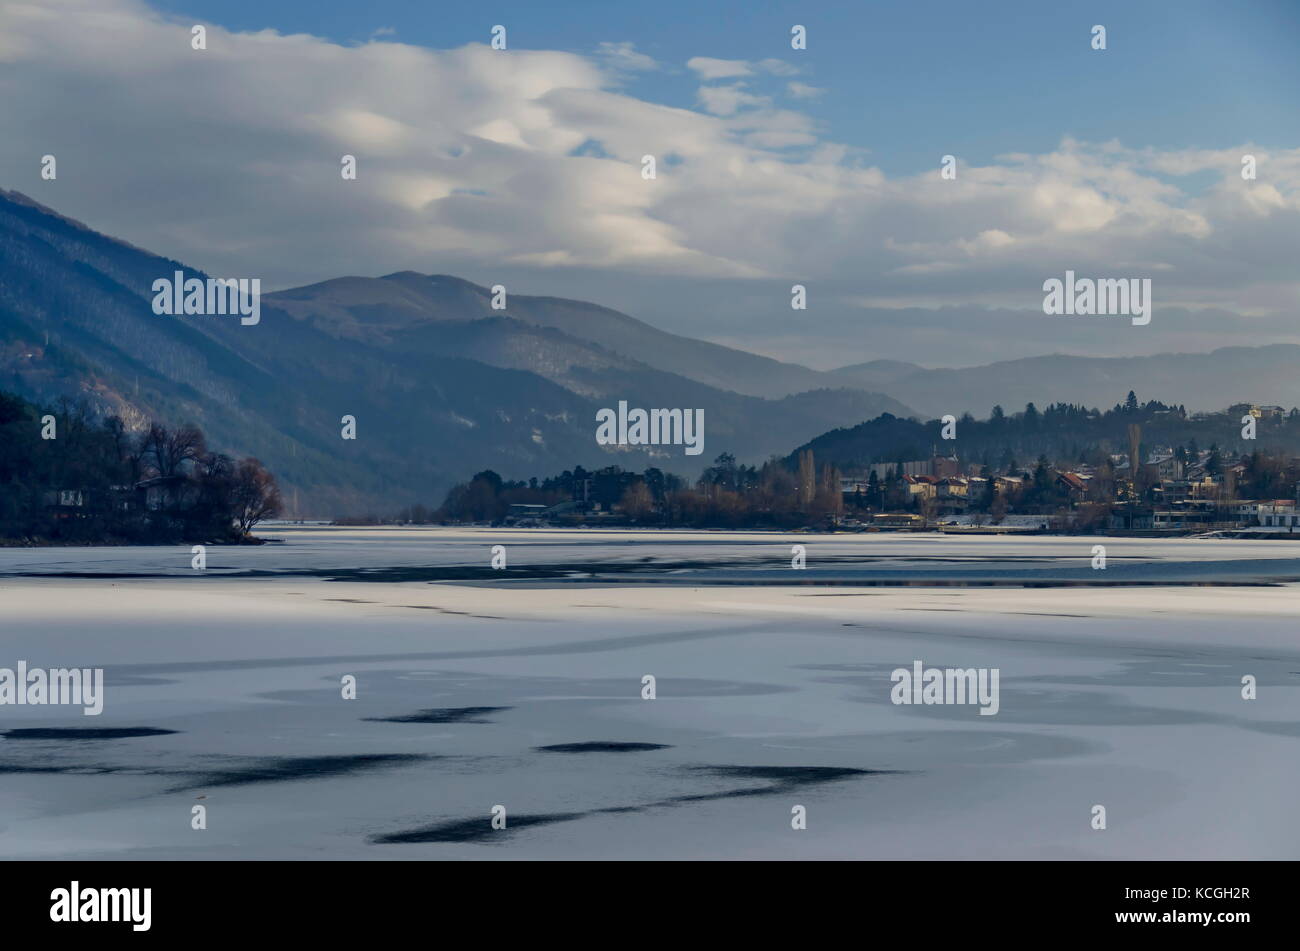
x=769, y=694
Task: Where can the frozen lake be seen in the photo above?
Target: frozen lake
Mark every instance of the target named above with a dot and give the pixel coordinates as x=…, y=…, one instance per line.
x=685, y=558
x=523, y=688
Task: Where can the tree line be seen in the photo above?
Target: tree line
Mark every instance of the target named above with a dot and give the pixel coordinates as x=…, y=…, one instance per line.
x=727, y=494
x=1065, y=432
x=805, y=488
x=68, y=476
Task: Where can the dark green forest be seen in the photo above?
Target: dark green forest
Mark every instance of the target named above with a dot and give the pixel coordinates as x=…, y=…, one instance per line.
x=804, y=487
x=1064, y=433
x=69, y=478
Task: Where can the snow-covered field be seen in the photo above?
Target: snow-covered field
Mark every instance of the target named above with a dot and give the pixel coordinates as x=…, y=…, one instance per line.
x=1119, y=688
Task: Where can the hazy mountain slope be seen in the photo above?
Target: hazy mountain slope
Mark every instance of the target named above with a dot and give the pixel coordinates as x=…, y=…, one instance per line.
x=879, y=371
x=1200, y=381
x=590, y=370
x=510, y=343
x=276, y=390
x=348, y=304
x=436, y=396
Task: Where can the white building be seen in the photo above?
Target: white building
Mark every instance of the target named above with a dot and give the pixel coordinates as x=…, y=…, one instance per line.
x=1279, y=513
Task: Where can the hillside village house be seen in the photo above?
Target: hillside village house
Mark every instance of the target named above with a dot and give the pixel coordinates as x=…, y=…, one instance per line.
x=1076, y=485
x=65, y=503
x=1007, y=483
x=1175, y=493
x=921, y=486
x=1279, y=513
x=953, y=487
x=1257, y=410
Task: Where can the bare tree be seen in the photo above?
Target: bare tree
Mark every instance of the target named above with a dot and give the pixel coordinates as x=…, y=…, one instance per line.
x=998, y=510
x=255, y=496
x=929, y=507
x=807, y=479
x=637, y=501
x=170, y=450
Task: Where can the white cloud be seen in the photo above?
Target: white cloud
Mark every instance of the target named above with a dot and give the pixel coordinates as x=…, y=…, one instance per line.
x=803, y=91
x=624, y=56
x=709, y=68
x=778, y=67
x=727, y=100
x=228, y=159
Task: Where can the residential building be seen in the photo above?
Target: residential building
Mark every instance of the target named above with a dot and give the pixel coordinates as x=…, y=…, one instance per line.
x=1278, y=513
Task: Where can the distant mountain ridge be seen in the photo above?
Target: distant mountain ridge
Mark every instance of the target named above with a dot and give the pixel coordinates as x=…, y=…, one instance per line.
x=440, y=384
x=1202, y=382
x=352, y=305
x=443, y=385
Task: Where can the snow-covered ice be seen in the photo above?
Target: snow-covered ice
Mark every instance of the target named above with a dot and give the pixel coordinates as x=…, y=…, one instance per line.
x=770, y=694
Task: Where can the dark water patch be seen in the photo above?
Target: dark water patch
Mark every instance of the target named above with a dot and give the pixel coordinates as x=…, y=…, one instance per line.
x=472, y=830
x=82, y=769
x=16, y=769
x=792, y=775
x=434, y=607
x=443, y=715
x=416, y=573
x=1024, y=613
x=586, y=571
x=601, y=746
x=779, y=779
x=562, y=570
x=697, y=581
x=295, y=768
x=84, y=733
x=699, y=575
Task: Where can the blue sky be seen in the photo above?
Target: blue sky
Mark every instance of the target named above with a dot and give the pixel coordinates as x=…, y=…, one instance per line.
x=907, y=80
x=776, y=166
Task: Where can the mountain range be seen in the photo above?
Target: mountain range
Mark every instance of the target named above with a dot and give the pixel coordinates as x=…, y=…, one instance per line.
x=1202, y=382
x=441, y=384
